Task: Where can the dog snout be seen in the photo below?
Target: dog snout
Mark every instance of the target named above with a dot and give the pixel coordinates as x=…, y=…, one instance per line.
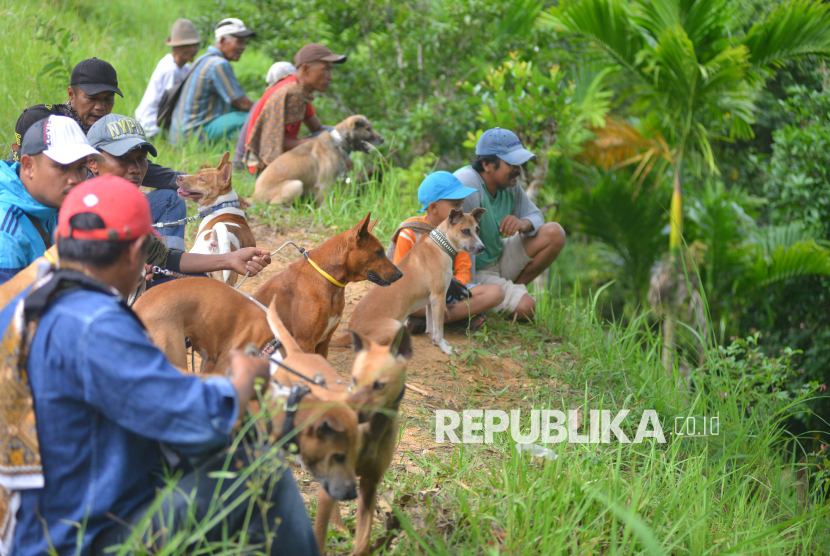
x=398, y=274
x=479, y=248
x=341, y=490
x=379, y=140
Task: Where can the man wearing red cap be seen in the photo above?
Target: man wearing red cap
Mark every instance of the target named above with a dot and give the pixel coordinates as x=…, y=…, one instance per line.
x=90, y=401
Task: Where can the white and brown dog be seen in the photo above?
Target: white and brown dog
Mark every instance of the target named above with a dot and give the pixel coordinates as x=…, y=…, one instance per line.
x=224, y=227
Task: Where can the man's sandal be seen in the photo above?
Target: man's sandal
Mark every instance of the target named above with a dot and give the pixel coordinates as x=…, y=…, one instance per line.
x=475, y=324
x=416, y=325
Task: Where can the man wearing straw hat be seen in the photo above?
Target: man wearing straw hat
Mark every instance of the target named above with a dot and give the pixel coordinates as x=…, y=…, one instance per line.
x=184, y=41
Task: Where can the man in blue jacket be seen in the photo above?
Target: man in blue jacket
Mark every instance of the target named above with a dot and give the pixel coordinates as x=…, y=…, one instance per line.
x=53, y=160
x=89, y=405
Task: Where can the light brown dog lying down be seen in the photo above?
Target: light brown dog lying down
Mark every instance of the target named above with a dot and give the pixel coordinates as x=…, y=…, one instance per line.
x=216, y=317
x=25, y=277
x=381, y=371
x=427, y=270
x=308, y=303
x=314, y=165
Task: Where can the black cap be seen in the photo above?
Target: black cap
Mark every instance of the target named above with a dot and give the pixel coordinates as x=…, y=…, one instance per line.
x=28, y=118
x=95, y=76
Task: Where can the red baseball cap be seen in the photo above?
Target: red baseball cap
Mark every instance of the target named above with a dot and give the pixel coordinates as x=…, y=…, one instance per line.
x=119, y=203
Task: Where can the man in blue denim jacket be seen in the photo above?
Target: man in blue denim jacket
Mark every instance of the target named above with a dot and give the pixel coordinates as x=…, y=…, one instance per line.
x=105, y=399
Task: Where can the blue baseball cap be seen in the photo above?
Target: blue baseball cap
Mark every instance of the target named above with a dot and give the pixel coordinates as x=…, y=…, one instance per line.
x=505, y=145
x=441, y=185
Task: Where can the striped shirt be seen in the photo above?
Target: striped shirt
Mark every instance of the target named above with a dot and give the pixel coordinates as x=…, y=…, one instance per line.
x=208, y=94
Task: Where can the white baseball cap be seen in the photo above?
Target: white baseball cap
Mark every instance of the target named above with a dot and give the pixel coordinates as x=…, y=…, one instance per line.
x=231, y=26
x=60, y=138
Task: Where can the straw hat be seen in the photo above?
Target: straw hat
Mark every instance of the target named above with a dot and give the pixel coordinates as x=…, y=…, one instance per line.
x=183, y=33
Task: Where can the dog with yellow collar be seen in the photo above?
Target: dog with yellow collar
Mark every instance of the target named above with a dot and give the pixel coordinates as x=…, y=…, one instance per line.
x=310, y=292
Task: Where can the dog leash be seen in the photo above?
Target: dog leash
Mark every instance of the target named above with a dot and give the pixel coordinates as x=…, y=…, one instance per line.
x=198, y=216
x=304, y=253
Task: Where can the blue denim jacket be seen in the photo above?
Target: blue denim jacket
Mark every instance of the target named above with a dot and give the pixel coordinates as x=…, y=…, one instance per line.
x=105, y=397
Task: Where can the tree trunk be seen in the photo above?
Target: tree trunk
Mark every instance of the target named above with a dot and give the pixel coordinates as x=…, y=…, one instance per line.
x=537, y=180
x=672, y=305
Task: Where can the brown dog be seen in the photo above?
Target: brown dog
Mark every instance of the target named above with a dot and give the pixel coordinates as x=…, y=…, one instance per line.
x=314, y=165
x=427, y=270
x=310, y=304
x=224, y=228
x=378, y=380
x=383, y=368
x=216, y=317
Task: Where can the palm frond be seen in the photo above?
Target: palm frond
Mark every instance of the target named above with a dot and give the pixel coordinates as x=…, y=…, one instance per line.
x=782, y=253
x=607, y=23
x=791, y=30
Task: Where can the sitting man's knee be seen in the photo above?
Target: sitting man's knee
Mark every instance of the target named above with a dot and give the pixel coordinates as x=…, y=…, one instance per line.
x=554, y=234
x=497, y=295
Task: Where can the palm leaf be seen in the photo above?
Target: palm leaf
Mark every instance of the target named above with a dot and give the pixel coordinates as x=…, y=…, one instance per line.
x=793, y=29
x=782, y=253
x=607, y=23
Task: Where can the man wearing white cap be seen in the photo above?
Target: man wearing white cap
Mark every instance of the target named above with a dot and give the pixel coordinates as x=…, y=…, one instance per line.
x=184, y=41
x=53, y=160
x=212, y=103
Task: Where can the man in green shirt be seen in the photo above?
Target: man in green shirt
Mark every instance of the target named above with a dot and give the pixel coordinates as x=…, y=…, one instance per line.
x=529, y=245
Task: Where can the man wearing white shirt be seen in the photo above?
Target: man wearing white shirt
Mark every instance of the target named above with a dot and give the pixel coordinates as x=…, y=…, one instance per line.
x=171, y=70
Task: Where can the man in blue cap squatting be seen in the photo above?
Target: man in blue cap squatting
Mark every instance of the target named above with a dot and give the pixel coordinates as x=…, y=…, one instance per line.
x=529, y=245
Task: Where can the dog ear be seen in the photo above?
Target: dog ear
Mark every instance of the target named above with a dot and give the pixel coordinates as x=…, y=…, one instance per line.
x=225, y=159
x=455, y=216
x=402, y=344
x=478, y=213
x=372, y=225
x=359, y=341
x=279, y=330
x=360, y=121
x=329, y=426
x=362, y=227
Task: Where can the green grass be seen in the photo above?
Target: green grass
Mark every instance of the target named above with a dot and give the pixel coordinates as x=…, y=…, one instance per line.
x=734, y=493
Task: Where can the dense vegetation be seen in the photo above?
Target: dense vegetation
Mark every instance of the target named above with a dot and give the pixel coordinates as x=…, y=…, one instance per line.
x=685, y=147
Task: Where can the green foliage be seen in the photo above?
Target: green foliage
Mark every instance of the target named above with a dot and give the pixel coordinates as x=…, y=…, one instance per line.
x=798, y=173
x=407, y=60
x=631, y=226
x=758, y=383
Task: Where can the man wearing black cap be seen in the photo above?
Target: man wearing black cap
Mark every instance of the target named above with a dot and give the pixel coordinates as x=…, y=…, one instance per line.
x=91, y=91
x=213, y=104
x=274, y=129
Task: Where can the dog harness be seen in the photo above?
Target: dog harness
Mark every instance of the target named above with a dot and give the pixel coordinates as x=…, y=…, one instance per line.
x=199, y=216
x=438, y=237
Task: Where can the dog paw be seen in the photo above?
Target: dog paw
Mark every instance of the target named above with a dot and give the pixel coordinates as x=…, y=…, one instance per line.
x=445, y=347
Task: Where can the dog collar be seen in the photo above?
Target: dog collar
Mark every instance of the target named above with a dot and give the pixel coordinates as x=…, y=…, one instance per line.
x=298, y=391
x=211, y=210
x=325, y=274
x=438, y=237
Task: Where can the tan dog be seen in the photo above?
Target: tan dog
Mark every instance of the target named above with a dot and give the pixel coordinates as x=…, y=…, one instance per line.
x=314, y=165
x=378, y=380
x=310, y=304
x=26, y=277
x=224, y=228
x=427, y=270
x=384, y=369
x=326, y=439
x=216, y=317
